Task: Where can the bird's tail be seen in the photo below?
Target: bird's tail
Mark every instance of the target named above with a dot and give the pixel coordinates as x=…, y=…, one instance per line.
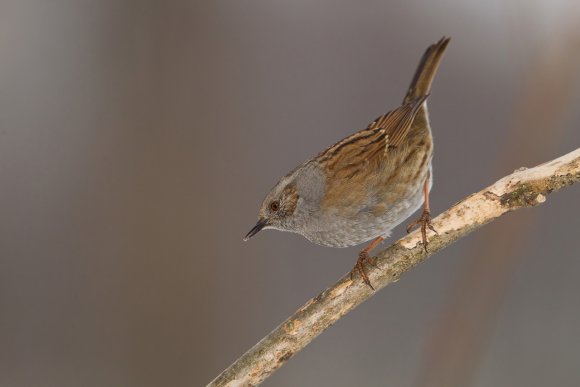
x=421, y=83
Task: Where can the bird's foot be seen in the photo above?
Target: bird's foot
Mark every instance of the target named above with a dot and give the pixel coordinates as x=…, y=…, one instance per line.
x=425, y=222
x=363, y=257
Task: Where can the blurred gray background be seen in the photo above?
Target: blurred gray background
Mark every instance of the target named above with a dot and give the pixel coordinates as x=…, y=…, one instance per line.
x=137, y=139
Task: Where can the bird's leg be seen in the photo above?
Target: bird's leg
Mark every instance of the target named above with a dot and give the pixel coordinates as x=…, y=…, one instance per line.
x=425, y=219
x=363, y=257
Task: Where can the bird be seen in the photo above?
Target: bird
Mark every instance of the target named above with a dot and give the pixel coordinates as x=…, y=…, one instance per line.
x=360, y=188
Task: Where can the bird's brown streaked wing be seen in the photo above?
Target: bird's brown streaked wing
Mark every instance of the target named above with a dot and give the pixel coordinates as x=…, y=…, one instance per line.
x=362, y=149
x=356, y=160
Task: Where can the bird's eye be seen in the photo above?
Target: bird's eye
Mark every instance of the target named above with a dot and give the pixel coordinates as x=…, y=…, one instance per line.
x=275, y=206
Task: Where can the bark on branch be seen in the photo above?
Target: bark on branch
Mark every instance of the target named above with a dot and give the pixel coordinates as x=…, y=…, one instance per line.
x=523, y=188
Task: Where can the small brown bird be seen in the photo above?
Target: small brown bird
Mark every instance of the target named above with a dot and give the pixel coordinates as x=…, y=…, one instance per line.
x=360, y=188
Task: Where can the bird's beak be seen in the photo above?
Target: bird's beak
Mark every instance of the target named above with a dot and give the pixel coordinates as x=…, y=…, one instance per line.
x=260, y=225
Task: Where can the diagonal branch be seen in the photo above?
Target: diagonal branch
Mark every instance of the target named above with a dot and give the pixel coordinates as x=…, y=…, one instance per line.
x=523, y=188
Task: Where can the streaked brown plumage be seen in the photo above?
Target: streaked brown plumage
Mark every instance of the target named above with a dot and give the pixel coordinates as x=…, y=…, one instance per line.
x=364, y=185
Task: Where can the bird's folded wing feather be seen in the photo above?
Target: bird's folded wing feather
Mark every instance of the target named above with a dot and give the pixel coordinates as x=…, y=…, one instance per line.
x=346, y=158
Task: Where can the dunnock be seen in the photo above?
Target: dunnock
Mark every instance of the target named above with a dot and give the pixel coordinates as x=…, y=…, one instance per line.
x=363, y=186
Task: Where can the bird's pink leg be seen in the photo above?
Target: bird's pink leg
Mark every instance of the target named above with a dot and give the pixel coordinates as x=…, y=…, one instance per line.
x=425, y=219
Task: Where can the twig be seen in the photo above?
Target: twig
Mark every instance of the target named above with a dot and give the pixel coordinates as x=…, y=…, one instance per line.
x=523, y=188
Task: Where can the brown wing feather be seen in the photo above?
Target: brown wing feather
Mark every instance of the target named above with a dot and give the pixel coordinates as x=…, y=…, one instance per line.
x=397, y=123
x=350, y=161
x=387, y=130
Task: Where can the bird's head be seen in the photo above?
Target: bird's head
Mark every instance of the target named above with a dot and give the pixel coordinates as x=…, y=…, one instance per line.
x=291, y=202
